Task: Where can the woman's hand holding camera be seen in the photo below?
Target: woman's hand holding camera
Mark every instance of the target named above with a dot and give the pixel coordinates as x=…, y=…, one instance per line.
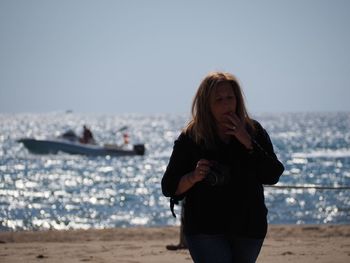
x=201, y=171
x=190, y=179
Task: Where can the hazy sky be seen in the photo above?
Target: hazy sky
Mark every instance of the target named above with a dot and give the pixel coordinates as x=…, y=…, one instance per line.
x=149, y=56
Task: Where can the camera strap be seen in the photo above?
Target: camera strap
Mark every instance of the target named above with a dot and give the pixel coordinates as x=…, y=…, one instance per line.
x=173, y=202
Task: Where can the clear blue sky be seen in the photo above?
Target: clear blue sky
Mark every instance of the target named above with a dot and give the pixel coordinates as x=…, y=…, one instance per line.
x=150, y=56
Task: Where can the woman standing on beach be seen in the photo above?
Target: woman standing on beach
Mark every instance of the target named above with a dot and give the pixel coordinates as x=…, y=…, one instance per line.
x=218, y=166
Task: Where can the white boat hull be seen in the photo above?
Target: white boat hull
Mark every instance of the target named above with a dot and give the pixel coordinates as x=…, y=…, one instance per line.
x=60, y=145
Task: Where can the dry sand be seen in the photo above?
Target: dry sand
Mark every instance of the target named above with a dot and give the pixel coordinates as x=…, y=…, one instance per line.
x=284, y=243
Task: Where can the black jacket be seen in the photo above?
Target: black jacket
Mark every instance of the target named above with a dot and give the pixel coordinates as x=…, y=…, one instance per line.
x=236, y=208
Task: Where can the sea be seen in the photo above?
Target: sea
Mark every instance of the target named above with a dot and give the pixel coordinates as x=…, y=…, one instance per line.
x=63, y=191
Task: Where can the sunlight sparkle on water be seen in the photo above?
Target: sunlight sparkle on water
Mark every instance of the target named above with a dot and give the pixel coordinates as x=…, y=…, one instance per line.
x=70, y=191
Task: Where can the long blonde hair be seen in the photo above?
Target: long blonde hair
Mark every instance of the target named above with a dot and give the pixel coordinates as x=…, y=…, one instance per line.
x=202, y=126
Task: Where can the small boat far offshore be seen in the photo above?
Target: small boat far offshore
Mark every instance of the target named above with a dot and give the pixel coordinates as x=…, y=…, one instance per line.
x=73, y=146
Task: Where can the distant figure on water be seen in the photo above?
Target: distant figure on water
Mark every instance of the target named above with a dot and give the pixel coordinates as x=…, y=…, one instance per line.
x=218, y=167
x=87, y=136
x=126, y=138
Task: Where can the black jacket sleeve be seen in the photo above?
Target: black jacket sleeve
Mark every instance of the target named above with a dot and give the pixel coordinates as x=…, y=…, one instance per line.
x=267, y=167
x=180, y=163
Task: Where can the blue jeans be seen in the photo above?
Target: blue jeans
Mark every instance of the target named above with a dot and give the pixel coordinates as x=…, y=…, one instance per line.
x=223, y=249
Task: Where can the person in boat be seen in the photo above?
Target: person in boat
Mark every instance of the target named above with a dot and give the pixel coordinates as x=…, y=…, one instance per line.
x=218, y=167
x=126, y=138
x=87, y=137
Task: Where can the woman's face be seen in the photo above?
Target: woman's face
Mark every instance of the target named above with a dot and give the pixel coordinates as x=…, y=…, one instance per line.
x=222, y=104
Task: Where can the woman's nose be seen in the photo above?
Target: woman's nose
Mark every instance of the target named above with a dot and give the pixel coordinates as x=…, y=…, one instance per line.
x=228, y=104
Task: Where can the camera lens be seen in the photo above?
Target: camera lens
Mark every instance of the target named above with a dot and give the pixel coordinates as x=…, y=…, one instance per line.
x=212, y=178
x=218, y=175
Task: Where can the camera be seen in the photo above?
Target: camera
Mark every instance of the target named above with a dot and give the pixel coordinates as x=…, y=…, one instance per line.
x=218, y=175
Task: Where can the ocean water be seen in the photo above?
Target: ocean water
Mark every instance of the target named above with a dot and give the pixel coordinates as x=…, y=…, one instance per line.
x=78, y=192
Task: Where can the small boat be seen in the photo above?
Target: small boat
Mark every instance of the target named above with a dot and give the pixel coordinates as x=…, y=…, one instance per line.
x=69, y=143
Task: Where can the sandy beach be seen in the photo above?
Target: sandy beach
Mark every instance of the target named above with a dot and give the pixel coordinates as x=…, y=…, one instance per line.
x=284, y=243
